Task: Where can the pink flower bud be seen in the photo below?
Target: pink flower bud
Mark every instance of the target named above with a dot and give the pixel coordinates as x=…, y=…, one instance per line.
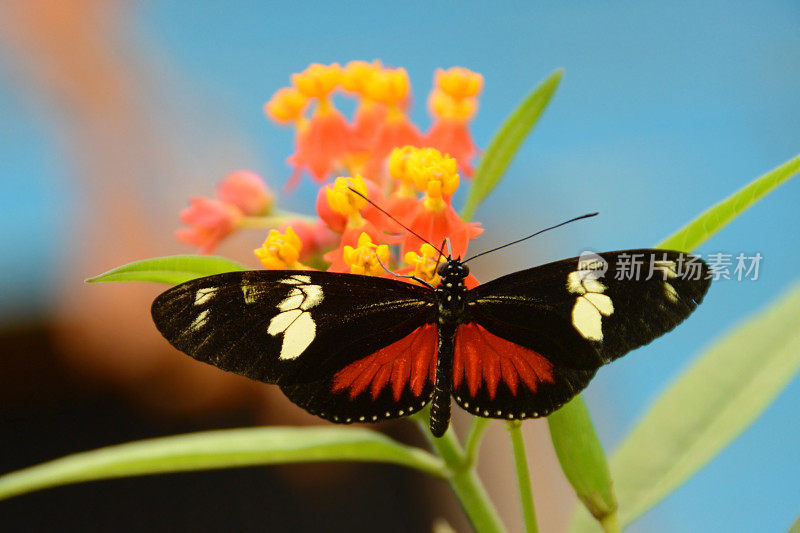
x=210, y=221
x=247, y=191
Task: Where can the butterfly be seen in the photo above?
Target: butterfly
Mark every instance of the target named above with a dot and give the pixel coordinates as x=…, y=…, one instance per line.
x=352, y=348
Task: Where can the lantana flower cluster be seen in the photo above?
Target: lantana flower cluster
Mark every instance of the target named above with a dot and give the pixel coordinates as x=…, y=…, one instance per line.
x=375, y=164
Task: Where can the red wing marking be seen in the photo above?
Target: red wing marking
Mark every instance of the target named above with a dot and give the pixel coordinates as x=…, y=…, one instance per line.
x=410, y=361
x=483, y=357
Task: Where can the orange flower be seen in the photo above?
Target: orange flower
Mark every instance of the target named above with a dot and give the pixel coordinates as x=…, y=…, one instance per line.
x=453, y=103
x=390, y=87
x=334, y=204
x=342, y=205
x=324, y=140
x=369, y=113
x=434, y=218
x=210, y=220
x=281, y=251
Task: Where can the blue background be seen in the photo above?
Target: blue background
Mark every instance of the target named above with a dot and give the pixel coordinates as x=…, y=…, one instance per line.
x=664, y=109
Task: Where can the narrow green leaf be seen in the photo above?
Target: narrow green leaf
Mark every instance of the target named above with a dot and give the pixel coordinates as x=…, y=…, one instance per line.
x=706, y=408
x=507, y=141
x=173, y=269
x=221, y=449
x=718, y=216
x=523, y=476
x=796, y=526
x=584, y=463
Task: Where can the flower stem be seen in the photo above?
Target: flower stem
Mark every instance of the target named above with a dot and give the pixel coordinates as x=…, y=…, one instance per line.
x=273, y=220
x=523, y=477
x=464, y=481
x=474, y=439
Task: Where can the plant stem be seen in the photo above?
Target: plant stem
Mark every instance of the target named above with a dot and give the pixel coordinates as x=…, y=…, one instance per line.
x=273, y=221
x=523, y=477
x=474, y=439
x=465, y=481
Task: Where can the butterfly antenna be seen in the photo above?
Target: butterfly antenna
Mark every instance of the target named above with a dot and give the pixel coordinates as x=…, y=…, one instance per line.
x=382, y=210
x=439, y=257
x=408, y=276
x=588, y=215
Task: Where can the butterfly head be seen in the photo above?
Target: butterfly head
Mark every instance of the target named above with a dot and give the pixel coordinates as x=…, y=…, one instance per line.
x=453, y=269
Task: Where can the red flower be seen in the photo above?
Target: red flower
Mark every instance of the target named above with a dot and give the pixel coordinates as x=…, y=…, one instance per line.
x=323, y=143
x=453, y=137
x=324, y=140
x=436, y=224
x=453, y=103
x=391, y=87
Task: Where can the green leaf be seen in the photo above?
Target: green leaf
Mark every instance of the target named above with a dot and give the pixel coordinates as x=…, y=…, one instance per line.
x=221, y=449
x=583, y=461
x=173, y=269
x=706, y=408
x=718, y=216
x=796, y=526
x=507, y=141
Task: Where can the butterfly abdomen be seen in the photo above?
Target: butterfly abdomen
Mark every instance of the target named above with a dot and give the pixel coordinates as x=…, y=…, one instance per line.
x=440, y=403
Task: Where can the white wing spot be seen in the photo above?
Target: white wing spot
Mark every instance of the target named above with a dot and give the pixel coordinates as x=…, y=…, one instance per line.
x=314, y=296
x=199, y=321
x=204, y=295
x=590, y=306
x=293, y=301
x=575, y=283
x=601, y=302
x=583, y=281
x=294, y=320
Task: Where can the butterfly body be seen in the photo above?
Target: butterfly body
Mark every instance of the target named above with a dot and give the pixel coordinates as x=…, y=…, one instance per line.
x=353, y=348
x=451, y=298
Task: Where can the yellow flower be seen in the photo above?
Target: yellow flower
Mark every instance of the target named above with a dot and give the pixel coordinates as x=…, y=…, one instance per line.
x=344, y=201
x=318, y=81
x=357, y=74
x=280, y=251
x=286, y=105
x=458, y=82
x=425, y=263
x=444, y=106
x=364, y=258
x=431, y=172
x=399, y=163
x=388, y=86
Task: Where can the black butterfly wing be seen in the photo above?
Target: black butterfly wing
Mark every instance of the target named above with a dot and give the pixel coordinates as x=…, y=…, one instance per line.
x=533, y=339
x=336, y=344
